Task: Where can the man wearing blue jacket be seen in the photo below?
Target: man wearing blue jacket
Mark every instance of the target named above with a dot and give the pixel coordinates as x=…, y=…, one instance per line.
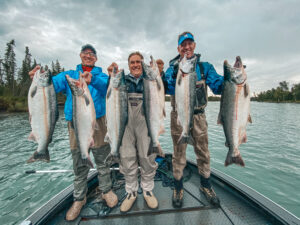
x=207, y=76
x=97, y=83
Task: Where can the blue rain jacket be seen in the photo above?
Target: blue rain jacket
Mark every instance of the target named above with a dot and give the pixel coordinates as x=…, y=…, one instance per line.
x=97, y=87
x=213, y=79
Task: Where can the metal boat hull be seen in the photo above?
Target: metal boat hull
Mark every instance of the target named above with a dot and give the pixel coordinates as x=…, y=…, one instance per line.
x=239, y=203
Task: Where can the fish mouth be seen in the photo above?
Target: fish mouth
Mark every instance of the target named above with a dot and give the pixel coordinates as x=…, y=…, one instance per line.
x=44, y=78
x=150, y=72
x=188, y=65
x=238, y=62
x=76, y=86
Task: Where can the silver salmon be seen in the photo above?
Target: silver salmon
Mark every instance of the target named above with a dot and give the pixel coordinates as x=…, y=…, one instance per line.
x=43, y=114
x=116, y=111
x=84, y=117
x=154, y=105
x=185, y=98
x=235, y=110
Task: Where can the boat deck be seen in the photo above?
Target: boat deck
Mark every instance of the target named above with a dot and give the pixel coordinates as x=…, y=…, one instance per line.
x=235, y=208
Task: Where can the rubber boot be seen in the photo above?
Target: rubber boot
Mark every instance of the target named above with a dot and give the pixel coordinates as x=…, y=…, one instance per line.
x=177, y=197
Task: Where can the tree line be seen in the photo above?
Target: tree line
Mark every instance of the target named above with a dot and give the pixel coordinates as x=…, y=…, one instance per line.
x=14, y=80
x=283, y=93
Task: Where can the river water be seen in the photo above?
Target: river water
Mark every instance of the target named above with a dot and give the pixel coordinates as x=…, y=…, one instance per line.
x=271, y=155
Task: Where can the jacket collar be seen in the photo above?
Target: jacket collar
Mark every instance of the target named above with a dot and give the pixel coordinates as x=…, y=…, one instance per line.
x=96, y=69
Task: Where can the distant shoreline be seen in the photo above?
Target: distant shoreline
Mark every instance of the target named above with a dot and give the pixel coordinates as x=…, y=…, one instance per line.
x=19, y=104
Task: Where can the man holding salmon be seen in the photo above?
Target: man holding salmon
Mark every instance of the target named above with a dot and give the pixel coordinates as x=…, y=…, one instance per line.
x=186, y=69
x=136, y=140
x=97, y=85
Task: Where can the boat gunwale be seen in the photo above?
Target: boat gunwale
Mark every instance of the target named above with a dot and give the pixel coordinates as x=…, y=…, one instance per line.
x=266, y=204
x=41, y=215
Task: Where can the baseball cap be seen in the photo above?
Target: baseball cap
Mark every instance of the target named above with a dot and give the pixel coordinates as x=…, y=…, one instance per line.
x=184, y=37
x=88, y=46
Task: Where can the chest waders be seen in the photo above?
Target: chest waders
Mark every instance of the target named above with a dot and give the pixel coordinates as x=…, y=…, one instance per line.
x=199, y=133
x=134, y=148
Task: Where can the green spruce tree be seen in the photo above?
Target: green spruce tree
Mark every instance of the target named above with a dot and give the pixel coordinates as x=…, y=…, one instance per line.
x=24, y=79
x=10, y=66
x=57, y=67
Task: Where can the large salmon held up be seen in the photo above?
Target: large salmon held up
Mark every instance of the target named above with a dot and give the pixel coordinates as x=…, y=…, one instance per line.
x=43, y=114
x=234, y=112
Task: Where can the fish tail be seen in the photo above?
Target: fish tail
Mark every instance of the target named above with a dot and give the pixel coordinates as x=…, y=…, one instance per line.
x=86, y=161
x=38, y=156
x=186, y=139
x=115, y=152
x=153, y=150
x=32, y=137
x=234, y=160
x=90, y=162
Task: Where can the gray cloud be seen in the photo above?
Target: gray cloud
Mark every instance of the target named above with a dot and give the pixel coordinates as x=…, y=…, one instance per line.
x=264, y=33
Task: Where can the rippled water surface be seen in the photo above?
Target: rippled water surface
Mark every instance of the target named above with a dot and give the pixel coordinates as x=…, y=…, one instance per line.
x=272, y=157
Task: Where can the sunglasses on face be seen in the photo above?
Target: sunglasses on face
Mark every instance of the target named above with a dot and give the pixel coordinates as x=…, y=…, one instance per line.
x=89, y=53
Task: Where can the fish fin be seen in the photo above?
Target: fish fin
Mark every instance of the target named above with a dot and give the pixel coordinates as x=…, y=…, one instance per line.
x=178, y=121
x=246, y=90
x=107, y=139
x=86, y=161
x=164, y=112
x=161, y=130
x=72, y=124
x=234, y=160
x=244, y=139
x=152, y=149
x=219, y=119
x=32, y=137
x=95, y=126
x=37, y=156
x=33, y=92
x=186, y=140
x=249, y=119
x=179, y=78
x=90, y=162
x=87, y=101
x=92, y=143
x=160, y=151
x=108, y=93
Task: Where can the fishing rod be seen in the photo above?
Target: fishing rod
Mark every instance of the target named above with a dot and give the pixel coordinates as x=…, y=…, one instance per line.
x=61, y=171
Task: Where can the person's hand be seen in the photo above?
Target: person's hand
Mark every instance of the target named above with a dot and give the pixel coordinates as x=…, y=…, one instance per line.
x=87, y=76
x=111, y=68
x=32, y=72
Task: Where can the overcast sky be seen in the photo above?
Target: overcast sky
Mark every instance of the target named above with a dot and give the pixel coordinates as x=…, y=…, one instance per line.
x=265, y=33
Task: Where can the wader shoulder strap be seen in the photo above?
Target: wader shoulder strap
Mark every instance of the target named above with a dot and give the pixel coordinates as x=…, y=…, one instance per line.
x=201, y=70
x=201, y=92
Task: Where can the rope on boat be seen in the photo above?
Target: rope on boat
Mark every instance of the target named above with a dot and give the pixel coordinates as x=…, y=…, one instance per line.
x=164, y=165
